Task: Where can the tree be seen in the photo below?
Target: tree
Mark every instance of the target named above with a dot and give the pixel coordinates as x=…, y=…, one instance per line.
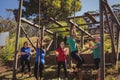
x=49, y=8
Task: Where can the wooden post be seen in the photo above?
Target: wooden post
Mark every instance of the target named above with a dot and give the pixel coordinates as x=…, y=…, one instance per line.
x=110, y=27
x=102, y=64
x=28, y=37
x=55, y=40
x=17, y=38
x=118, y=46
x=82, y=40
x=42, y=35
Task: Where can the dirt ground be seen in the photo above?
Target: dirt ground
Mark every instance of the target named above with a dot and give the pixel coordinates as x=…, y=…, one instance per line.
x=50, y=73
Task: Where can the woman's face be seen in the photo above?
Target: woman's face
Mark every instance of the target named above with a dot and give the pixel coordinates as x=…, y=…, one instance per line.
x=26, y=45
x=62, y=44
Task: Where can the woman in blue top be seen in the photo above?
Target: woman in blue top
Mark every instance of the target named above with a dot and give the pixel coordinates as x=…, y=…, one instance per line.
x=25, y=57
x=39, y=61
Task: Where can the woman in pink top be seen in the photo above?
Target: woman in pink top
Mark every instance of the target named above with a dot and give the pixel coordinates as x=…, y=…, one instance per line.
x=61, y=53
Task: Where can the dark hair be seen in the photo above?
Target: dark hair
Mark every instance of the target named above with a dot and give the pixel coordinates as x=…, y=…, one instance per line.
x=25, y=42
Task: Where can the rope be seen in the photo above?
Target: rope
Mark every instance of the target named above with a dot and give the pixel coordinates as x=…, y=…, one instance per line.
x=38, y=41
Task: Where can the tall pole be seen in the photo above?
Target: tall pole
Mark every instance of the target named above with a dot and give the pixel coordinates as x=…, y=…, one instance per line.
x=17, y=38
x=102, y=65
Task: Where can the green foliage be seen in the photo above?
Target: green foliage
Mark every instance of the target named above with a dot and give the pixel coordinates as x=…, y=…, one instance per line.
x=50, y=8
x=7, y=52
x=8, y=25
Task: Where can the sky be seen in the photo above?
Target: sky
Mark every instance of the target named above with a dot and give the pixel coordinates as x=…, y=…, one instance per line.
x=87, y=5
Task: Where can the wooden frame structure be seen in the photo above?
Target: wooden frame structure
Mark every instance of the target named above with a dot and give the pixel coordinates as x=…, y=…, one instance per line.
x=105, y=11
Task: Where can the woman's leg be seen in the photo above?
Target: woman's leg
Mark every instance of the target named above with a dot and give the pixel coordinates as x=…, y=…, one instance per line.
x=22, y=65
x=59, y=66
x=41, y=70
x=65, y=69
x=35, y=69
x=77, y=58
x=97, y=62
x=28, y=66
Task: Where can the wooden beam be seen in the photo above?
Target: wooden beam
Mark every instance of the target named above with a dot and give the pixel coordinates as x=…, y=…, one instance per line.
x=111, y=34
x=91, y=17
x=81, y=29
x=56, y=22
x=48, y=31
x=48, y=47
x=102, y=58
x=17, y=40
x=28, y=37
x=30, y=23
x=112, y=13
x=35, y=25
x=83, y=16
x=69, y=26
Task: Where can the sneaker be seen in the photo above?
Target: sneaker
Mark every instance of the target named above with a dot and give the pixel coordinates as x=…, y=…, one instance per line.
x=66, y=78
x=59, y=79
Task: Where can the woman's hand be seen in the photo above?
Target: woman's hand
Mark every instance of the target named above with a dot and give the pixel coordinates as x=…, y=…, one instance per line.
x=23, y=53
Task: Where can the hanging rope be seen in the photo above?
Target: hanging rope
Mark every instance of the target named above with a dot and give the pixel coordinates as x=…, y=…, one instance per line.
x=73, y=28
x=38, y=42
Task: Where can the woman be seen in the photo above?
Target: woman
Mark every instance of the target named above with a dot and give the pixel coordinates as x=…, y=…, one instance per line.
x=25, y=57
x=61, y=53
x=39, y=61
x=73, y=48
x=96, y=54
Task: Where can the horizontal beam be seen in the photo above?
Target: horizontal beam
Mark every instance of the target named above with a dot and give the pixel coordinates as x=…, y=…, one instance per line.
x=91, y=17
x=35, y=25
x=48, y=31
x=30, y=23
x=97, y=14
x=56, y=22
x=69, y=26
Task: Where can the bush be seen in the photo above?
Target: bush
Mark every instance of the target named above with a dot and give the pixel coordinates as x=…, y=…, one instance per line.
x=7, y=52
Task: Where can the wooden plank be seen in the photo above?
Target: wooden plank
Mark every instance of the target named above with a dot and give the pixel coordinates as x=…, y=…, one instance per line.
x=56, y=22
x=69, y=26
x=111, y=35
x=35, y=25
x=28, y=37
x=91, y=17
x=112, y=13
x=17, y=40
x=83, y=16
x=48, y=47
x=102, y=58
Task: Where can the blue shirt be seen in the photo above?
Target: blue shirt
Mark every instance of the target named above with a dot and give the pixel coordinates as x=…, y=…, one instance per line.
x=27, y=51
x=41, y=53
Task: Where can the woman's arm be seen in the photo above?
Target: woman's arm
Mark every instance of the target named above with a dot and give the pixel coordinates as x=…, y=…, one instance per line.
x=56, y=53
x=66, y=51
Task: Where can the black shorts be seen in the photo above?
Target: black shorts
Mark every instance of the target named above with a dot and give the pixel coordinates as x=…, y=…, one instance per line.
x=97, y=62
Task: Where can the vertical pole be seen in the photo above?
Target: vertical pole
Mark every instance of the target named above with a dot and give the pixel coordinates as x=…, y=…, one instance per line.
x=42, y=35
x=17, y=38
x=55, y=40
x=82, y=40
x=102, y=65
x=118, y=46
